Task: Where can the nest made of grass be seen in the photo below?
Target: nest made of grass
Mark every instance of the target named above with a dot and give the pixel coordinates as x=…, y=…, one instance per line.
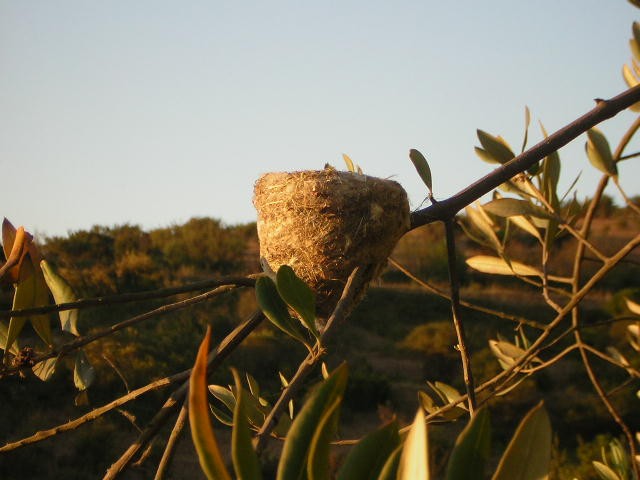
x=325, y=223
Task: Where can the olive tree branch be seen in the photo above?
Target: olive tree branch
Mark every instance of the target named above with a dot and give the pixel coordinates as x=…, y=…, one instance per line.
x=575, y=313
x=215, y=359
x=248, y=281
x=479, y=308
x=454, y=282
x=167, y=455
x=82, y=341
x=342, y=309
x=603, y=110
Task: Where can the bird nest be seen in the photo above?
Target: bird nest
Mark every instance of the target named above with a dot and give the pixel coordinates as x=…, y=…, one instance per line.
x=325, y=223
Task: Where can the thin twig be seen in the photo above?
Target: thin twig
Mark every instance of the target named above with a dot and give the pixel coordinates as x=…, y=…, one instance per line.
x=603, y=110
x=176, y=398
x=342, y=309
x=82, y=341
x=479, y=308
x=167, y=456
x=575, y=313
x=454, y=282
x=95, y=413
x=248, y=281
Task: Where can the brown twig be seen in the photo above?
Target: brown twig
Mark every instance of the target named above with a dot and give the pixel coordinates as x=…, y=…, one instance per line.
x=339, y=314
x=479, y=308
x=216, y=357
x=95, y=413
x=85, y=340
x=603, y=110
x=575, y=313
x=167, y=455
x=248, y=281
x=454, y=282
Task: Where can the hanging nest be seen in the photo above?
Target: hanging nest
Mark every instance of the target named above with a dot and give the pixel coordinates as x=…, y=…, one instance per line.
x=325, y=223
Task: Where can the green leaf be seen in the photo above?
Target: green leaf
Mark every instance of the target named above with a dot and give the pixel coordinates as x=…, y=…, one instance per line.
x=4, y=331
x=422, y=166
x=496, y=148
x=202, y=434
x=527, y=122
x=349, y=162
x=30, y=291
x=484, y=226
x=298, y=296
x=414, y=461
x=221, y=416
x=295, y=451
x=509, y=207
x=604, y=471
x=62, y=293
x=254, y=388
x=318, y=462
x=245, y=460
x=524, y=224
x=507, y=353
x=472, y=449
x=528, y=454
x=390, y=468
x=44, y=370
x=632, y=306
x=83, y=371
x=275, y=309
x=498, y=266
x=432, y=407
x=599, y=152
x=225, y=395
x=367, y=458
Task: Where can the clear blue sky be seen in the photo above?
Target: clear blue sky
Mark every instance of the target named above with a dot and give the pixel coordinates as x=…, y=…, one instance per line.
x=152, y=112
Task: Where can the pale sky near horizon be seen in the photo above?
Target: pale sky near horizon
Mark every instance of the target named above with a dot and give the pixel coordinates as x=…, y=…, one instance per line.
x=153, y=112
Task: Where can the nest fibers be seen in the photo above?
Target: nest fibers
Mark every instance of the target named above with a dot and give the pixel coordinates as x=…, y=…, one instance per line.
x=325, y=223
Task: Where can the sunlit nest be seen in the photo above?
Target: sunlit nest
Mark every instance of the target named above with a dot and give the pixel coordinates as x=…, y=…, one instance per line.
x=325, y=223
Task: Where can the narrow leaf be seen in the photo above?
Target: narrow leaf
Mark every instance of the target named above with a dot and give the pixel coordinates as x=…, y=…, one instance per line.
x=422, y=167
x=245, y=460
x=295, y=452
x=599, y=152
x=275, y=309
x=4, y=331
x=605, y=472
x=62, y=293
x=44, y=370
x=528, y=454
x=632, y=306
x=348, y=162
x=472, y=449
x=298, y=296
x=318, y=462
x=496, y=147
x=15, y=247
x=367, y=458
x=202, y=434
x=527, y=122
x=225, y=395
x=524, y=224
x=83, y=371
x=508, y=207
x=498, y=266
x=390, y=468
x=414, y=462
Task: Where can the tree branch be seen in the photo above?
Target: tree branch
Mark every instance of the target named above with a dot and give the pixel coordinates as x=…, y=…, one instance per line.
x=248, y=281
x=216, y=358
x=603, y=110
